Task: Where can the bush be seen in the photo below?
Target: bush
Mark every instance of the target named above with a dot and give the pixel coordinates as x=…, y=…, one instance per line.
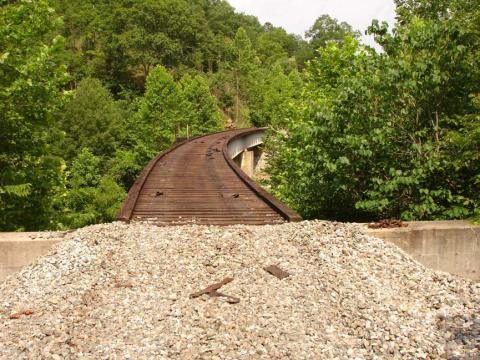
x=388, y=135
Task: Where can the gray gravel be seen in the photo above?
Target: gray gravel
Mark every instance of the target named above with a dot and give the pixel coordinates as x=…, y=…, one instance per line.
x=119, y=291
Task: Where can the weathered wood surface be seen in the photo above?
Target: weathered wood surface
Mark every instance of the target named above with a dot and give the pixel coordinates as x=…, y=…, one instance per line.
x=196, y=182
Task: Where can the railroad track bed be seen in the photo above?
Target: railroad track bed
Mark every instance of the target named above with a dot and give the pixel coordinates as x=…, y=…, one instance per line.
x=196, y=182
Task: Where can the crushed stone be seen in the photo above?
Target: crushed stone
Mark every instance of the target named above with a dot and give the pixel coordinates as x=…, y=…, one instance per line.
x=123, y=291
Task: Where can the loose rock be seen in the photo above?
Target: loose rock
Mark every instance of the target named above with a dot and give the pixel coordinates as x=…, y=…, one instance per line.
x=123, y=291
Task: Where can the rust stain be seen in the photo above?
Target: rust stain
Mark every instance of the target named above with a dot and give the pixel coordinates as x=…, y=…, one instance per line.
x=277, y=272
x=18, y=315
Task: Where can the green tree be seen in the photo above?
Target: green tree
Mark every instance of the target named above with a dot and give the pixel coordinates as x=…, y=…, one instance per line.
x=275, y=45
x=81, y=29
x=126, y=165
x=271, y=104
x=201, y=111
x=327, y=29
x=30, y=80
x=378, y=135
x=162, y=32
x=91, y=119
x=89, y=198
x=160, y=117
x=245, y=69
x=433, y=10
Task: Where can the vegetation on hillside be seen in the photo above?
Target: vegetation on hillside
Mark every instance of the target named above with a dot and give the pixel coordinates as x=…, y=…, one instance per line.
x=90, y=91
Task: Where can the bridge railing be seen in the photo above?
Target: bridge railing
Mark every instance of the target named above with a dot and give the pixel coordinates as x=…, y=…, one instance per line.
x=239, y=145
x=244, y=141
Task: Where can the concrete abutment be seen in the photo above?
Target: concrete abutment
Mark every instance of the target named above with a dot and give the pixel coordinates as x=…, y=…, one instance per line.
x=449, y=246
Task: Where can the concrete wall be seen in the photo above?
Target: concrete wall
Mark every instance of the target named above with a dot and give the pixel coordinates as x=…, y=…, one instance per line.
x=248, y=163
x=251, y=161
x=260, y=160
x=450, y=246
x=20, y=249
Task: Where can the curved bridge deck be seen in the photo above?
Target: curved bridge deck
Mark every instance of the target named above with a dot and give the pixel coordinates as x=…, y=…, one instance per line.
x=197, y=182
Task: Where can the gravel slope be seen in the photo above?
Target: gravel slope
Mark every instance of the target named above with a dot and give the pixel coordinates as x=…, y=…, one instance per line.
x=119, y=291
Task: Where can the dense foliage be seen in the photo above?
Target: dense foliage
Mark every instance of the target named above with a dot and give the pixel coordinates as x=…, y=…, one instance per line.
x=90, y=91
x=30, y=93
x=395, y=134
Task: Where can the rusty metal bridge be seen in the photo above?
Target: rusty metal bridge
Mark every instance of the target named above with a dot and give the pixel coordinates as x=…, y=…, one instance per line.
x=198, y=181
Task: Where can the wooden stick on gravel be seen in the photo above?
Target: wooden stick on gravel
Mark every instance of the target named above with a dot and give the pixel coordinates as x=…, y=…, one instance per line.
x=212, y=288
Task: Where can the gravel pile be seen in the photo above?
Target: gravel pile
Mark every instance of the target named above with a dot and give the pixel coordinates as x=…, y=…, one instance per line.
x=121, y=291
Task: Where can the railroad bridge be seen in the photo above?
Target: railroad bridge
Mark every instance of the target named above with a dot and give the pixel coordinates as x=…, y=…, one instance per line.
x=206, y=180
